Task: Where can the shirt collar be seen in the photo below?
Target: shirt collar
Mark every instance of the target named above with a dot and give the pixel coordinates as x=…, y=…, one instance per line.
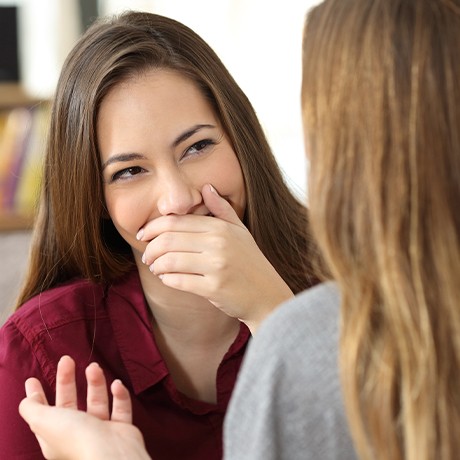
x=131, y=322
x=132, y=329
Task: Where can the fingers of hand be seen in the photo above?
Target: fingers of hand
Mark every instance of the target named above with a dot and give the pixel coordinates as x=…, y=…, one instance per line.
x=193, y=253
x=97, y=399
x=196, y=284
x=219, y=206
x=173, y=242
x=121, y=407
x=30, y=407
x=66, y=390
x=32, y=412
x=34, y=390
x=190, y=223
x=175, y=262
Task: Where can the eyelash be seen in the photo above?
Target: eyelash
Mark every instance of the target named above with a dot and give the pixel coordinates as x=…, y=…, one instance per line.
x=134, y=170
x=204, y=143
x=119, y=174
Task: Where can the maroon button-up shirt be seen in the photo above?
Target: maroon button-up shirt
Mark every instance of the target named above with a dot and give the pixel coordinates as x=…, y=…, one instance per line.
x=110, y=326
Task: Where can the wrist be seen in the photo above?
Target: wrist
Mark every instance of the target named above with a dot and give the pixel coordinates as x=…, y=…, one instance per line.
x=265, y=309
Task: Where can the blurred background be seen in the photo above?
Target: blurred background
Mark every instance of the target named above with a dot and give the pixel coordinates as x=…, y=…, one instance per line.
x=258, y=40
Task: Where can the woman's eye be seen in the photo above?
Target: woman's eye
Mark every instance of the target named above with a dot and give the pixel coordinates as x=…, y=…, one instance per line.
x=127, y=173
x=198, y=148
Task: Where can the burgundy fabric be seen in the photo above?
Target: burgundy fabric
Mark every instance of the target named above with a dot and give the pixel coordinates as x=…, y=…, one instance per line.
x=111, y=326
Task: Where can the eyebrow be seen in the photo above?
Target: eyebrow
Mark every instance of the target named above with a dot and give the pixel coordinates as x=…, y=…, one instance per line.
x=189, y=133
x=125, y=157
x=122, y=157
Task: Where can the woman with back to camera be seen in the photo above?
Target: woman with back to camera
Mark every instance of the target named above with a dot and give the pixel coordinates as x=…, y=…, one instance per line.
x=161, y=200
x=381, y=110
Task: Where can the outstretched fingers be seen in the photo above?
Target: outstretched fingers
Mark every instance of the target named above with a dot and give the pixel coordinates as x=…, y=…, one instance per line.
x=35, y=390
x=66, y=389
x=97, y=399
x=30, y=407
x=121, y=406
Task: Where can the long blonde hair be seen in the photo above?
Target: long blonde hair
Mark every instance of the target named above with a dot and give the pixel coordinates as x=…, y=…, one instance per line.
x=381, y=108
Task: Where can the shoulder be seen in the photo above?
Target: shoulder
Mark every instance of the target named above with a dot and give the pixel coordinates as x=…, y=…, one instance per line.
x=50, y=319
x=319, y=301
x=290, y=380
x=57, y=306
x=294, y=355
x=297, y=345
x=73, y=319
x=76, y=300
x=311, y=319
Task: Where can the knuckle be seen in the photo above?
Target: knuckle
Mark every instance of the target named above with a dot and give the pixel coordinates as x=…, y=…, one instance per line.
x=178, y=282
x=67, y=404
x=166, y=240
x=168, y=263
x=220, y=242
x=219, y=264
x=97, y=401
x=170, y=222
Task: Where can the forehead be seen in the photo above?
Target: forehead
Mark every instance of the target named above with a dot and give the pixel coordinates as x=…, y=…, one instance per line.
x=156, y=90
x=153, y=108
x=159, y=85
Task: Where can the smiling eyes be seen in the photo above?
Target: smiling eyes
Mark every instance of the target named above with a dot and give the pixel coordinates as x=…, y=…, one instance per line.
x=198, y=148
x=126, y=173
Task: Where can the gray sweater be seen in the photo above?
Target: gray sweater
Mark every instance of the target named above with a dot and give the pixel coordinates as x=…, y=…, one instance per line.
x=287, y=403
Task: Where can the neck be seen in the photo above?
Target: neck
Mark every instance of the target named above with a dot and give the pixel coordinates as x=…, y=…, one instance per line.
x=192, y=335
x=186, y=315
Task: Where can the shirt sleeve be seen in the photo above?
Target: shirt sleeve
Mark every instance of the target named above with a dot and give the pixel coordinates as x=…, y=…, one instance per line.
x=17, y=363
x=287, y=403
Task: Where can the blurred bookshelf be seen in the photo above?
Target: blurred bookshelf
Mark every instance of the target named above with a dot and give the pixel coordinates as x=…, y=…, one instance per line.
x=23, y=128
x=12, y=95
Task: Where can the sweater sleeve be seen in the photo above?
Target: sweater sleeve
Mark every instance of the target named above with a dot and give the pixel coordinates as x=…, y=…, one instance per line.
x=17, y=363
x=287, y=403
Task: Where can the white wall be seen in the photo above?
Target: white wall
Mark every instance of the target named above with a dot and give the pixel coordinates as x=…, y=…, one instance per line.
x=48, y=30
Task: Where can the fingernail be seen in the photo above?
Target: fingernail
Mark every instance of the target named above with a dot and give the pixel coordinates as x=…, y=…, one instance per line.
x=213, y=190
x=151, y=268
x=140, y=234
x=143, y=258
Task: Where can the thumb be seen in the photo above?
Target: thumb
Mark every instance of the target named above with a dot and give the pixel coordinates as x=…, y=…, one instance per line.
x=32, y=408
x=219, y=206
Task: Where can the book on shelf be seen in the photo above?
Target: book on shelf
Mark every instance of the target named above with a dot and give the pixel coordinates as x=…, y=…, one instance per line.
x=22, y=136
x=12, y=148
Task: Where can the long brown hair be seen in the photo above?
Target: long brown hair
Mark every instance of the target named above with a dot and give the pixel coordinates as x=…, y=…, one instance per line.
x=381, y=107
x=73, y=236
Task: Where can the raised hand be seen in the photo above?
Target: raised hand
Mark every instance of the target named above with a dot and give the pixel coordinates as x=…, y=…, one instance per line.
x=65, y=433
x=216, y=257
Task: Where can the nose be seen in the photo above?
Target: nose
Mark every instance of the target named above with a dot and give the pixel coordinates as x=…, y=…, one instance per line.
x=177, y=195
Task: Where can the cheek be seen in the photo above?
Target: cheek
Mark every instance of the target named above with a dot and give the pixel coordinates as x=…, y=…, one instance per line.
x=228, y=180
x=124, y=213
